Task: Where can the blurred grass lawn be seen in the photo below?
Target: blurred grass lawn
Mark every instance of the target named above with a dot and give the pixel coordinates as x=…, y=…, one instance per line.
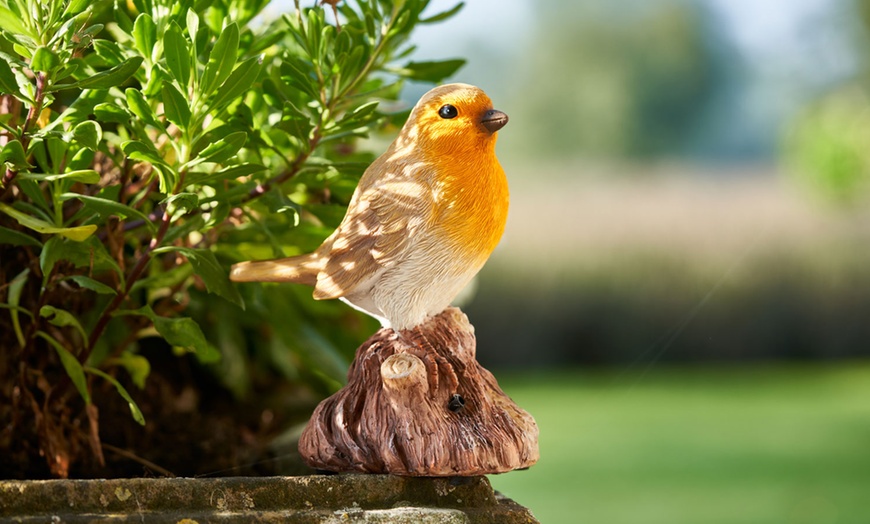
x=744, y=444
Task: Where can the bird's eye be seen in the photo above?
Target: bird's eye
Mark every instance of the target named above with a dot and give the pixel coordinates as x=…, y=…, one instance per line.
x=448, y=111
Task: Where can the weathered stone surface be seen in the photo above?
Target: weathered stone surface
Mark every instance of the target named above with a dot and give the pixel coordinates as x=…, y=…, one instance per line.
x=402, y=515
x=312, y=499
x=418, y=403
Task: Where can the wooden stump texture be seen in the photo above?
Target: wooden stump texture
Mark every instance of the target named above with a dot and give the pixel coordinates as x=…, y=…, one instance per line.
x=417, y=403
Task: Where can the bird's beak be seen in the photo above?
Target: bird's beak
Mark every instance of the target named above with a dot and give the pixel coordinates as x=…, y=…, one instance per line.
x=493, y=120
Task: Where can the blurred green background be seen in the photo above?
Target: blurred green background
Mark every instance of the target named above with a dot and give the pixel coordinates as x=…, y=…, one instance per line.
x=682, y=295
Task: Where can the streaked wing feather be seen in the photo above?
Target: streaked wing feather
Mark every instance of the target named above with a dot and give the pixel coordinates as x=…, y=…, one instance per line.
x=374, y=239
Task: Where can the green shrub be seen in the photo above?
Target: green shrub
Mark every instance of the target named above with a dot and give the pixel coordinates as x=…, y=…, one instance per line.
x=826, y=147
x=149, y=144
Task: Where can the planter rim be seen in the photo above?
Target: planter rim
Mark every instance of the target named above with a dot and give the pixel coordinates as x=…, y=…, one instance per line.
x=318, y=498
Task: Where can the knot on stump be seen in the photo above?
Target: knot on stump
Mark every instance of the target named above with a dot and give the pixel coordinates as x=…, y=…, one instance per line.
x=403, y=370
x=417, y=403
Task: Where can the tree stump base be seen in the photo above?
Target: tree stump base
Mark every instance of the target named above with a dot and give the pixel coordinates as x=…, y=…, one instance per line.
x=417, y=403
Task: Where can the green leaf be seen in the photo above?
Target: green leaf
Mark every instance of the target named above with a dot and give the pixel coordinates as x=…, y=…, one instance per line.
x=78, y=234
x=8, y=83
x=93, y=285
x=134, y=409
x=136, y=365
x=106, y=79
x=228, y=173
x=111, y=113
x=203, y=36
x=221, y=150
x=371, y=28
x=11, y=22
x=163, y=279
x=143, y=6
x=277, y=202
x=17, y=238
x=300, y=74
x=17, y=309
x=435, y=71
x=181, y=203
x=109, y=51
x=186, y=333
x=106, y=208
x=444, y=15
x=14, y=155
x=13, y=298
x=68, y=30
x=216, y=215
x=145, y=152
x=88, y=134
x=34, y=193
x=177, y=54
x=145, y=35
x=360, y=117
x=81, y=109
x=142, y=151
x=91, y=254
x=238, y=83
x=192, y=20
x=139, y=106
x=49, y=152
x=91, y=31
x=206, y=266
x=121, y=17
x=75, y=7
x=352, y=61
x=71, y=365
x=82, y=159
x=151, y=89
x=87, y=176
x=25, y=51
x=221, y=59
x=44, y=60
x=180, y=332
x=61, y=318
x=175, y=105
x=295, y=122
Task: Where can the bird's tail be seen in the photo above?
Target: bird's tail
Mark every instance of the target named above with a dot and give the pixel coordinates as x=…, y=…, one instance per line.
x=302, y=269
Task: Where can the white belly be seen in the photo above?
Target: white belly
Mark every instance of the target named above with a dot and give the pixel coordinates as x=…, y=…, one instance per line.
x=422, y=285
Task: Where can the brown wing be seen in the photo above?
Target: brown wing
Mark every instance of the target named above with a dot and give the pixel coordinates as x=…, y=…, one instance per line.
x=374, y=235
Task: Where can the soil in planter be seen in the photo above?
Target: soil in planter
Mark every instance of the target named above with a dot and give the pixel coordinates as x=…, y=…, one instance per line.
x=194, y=426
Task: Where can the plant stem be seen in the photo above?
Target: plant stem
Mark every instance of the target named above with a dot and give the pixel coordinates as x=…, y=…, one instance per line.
x=131, y=279
x=32, y=117
x=262, y=189
x=385, y=32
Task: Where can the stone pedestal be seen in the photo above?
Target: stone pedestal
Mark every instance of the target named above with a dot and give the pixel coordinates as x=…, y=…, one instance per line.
x=335, y=498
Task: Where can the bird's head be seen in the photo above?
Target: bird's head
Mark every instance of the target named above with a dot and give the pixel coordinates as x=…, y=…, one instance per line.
x=453, y=118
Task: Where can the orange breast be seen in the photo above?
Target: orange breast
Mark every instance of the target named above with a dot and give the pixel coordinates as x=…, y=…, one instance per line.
x=471, y=206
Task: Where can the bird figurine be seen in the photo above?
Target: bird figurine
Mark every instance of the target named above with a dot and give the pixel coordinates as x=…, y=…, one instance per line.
x=423, y=220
